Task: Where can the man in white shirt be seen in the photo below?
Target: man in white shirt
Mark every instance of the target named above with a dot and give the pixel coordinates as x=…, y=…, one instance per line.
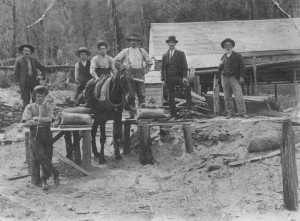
x=138, y=63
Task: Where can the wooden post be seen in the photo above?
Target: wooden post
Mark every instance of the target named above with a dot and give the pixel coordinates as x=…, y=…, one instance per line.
x=297, y=95
x=27, y=150
x=86, y=150
x=145, y=150
x=255, y=77
x=188, y=139
x=276, y=92
x=289, y=167
x=126, y=133
x=216, y=96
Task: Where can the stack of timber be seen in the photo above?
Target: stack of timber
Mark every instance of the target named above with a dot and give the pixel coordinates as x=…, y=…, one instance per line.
x=254, y=104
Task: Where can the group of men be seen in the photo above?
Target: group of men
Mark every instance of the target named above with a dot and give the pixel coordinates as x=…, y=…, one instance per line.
x=38, y=116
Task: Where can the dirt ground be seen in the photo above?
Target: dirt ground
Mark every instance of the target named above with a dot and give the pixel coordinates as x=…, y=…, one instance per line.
x=178, y=186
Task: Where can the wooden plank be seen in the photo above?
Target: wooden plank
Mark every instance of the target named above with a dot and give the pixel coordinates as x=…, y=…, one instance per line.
x=289, y=167
x=188, y=139
x=86, y=150
x=58, y=136
x=18, y=177
x=71, y=163
x=253, y=159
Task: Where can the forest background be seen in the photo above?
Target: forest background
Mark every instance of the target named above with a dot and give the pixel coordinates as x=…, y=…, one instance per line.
x=70, y=24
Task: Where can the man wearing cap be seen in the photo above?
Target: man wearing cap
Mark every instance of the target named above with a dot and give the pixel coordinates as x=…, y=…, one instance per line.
x=174, y=72
x=102, y=66
x=38, y=117
x=138, y=63
x=232, y=71
x=82, y=70
x=25, y=72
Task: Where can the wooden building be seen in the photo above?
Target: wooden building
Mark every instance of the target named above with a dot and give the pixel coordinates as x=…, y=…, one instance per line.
x=271, y=47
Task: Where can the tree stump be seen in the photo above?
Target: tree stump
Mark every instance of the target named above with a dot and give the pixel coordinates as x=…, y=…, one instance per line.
x=289, y=168
x=27, y=150
x=216, y=98
x=86, y=150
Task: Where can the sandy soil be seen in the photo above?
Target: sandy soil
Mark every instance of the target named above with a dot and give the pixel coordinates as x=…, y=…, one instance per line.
x=179, y=186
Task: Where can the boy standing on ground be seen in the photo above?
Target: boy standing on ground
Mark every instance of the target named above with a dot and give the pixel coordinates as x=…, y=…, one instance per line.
x=38, y=117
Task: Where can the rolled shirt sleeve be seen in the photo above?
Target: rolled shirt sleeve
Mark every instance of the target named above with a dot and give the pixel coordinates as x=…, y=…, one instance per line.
x=76, y=73
x=94, y=67
x=113, y=65
x=27, y=114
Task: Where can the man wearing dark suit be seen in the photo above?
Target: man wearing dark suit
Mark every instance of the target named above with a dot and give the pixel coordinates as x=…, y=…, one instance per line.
x=25, y=72
x=174, y=72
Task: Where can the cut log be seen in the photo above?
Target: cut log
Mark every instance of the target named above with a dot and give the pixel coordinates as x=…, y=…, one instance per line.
x=188, y=139
x=18, y=177
x=260, y=144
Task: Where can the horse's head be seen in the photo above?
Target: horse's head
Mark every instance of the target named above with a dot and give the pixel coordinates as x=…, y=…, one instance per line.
x=123, y=81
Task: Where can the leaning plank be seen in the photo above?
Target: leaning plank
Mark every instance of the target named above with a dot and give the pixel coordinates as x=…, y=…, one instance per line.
x=253, y=159
x=70, y=163
x=18, y=177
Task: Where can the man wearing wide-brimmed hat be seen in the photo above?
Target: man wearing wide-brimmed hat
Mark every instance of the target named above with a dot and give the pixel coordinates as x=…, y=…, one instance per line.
x=25, y=72
x=38, y=117
x=138, y=63
x=82, y=70
x=232, y=71
x=174, y=72
x=102, y=66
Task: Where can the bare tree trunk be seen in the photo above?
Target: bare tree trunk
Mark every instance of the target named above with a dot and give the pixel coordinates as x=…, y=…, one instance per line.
x=15, y=21
x=117, y=35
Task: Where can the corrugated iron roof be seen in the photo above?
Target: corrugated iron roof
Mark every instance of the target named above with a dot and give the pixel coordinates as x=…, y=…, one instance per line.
x=201, y=40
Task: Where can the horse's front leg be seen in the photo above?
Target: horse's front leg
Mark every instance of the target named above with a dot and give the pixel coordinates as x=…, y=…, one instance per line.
x=94, y=133
x=117, y=138
x=102, y=142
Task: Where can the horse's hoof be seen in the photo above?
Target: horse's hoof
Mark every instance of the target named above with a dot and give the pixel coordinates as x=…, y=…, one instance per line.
x=102, y=161
x=118, y=157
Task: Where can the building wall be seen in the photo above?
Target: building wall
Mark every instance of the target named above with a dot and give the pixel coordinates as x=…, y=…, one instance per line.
x=282, y=89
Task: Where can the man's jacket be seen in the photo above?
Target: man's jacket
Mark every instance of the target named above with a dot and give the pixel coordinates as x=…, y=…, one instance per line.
x=21, y=71
x=232, y=66
x=179, y=66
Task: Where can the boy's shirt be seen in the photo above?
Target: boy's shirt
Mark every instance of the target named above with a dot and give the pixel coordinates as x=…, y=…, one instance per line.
x=34, y=110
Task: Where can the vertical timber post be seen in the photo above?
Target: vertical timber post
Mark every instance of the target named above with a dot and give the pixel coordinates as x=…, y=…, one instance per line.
x=297, y=95
x=86, y=150
x=276, y=96
x=144, y=148
x=216, y=89
x=126, y=145
x=188, y=139
x=27, y=150
x=289, y=167
x=255, y=77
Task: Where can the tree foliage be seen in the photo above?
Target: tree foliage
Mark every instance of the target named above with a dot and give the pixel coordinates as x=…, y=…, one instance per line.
x=71, y=24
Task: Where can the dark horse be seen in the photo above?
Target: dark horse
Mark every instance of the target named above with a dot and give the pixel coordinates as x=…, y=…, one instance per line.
x=111, y=109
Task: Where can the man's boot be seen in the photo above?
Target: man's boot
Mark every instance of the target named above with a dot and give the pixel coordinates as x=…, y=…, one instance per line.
x=44, y=185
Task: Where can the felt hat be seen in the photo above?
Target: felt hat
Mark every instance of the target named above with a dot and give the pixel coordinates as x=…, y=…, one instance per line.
x=40, y=89
x=101, y=43
x=134, y=36
x=26, y=46
x=82, y=49
x=172, y=38
x=227, y=40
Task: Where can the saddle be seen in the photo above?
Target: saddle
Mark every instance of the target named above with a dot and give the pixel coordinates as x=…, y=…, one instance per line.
x=101, y=88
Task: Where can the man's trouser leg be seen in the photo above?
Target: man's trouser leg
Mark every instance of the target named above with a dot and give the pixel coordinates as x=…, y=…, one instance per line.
x=140, y=91
x=89, y=92
x=43, y=147
x=172, y=106
x=238, y=95
x=79, y=90
x=25, y=94
x=131, y=99
x=35, y=165
x=227, y=94
x=187, y=92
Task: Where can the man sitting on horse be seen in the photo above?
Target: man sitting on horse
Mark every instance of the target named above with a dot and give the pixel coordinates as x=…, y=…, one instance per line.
x=102, y=66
